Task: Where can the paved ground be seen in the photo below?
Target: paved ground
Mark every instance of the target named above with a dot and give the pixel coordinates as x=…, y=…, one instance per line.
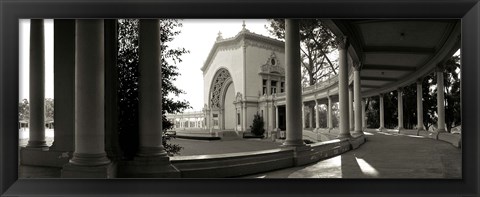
x=384, y=155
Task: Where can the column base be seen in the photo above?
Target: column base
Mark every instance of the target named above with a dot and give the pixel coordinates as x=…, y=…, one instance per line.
x=381, y=129
x=293, y=143
x=344, y=135
x=148, y=167
x=152, y=152
x=71, y=170
x=357, y=133
x=419, y=131
x=84, y=159
x=37, y=145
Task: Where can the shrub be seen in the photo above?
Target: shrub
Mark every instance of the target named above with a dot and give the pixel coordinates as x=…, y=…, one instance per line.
x=257, y=125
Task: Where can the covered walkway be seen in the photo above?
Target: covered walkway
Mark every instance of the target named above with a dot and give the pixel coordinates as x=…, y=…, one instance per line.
x=385, y=155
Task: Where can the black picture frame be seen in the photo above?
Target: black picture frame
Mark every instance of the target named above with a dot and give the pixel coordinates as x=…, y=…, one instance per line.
x=11, y=11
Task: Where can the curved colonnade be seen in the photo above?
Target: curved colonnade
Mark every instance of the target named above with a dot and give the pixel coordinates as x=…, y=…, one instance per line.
x=90, y=59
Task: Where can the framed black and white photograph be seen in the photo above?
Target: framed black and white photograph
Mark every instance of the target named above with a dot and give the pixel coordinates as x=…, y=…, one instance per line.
x=239, y=98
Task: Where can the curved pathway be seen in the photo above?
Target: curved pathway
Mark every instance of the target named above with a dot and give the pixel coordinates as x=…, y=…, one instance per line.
x=384, y=155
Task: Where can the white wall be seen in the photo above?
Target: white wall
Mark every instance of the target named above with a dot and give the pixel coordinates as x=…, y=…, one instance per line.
x=230, y=59
x=256, y=57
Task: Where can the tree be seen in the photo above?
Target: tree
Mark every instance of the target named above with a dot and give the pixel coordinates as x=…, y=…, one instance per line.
x=372, y=112
x=257, y=125
x=429, y=101
x=128, y=83
x=24, y=110
x=317, y=43
x=451, y=78
x=49, y=109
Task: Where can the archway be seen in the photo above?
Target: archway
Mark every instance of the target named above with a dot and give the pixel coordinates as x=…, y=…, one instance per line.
x=229, y=110
x=222, y=96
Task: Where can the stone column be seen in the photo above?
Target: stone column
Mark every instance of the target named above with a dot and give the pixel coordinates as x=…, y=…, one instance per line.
x=364, y=115
x=382, y=111
x=152, y=160
x=419, y=104
x=329, y=113
x=241, y=117
x=310, y=116
x=89, y=158
x=293, y=82
x=304, y=115
x=64, y=85
x=272, y=117
x=400, y=108
x=358, y=99
x=150, y=90
x=350, y=108
x=343, y=88
x=276, y=118
x=440, y=99
x=37, y=85
x=317, y=114
x=244, y=123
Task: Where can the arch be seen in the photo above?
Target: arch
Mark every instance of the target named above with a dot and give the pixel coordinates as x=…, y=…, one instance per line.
x=217, y=88
x=228, y=107
x=222, y=83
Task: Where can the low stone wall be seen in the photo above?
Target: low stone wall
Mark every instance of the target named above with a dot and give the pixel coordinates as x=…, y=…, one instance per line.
x=233, y=164
x=454, y=139
x=246, y=163
x=46, y=158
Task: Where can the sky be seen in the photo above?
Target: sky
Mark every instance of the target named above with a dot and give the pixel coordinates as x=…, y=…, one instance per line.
x=197, y=36
x=24, y=30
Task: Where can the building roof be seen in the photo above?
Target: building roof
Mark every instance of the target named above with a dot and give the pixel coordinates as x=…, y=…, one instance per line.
x=238, y=40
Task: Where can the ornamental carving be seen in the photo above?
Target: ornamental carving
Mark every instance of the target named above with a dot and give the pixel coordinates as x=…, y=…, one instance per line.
x=238, y=98
x=272, y=65
x=218, y=83
x=263, y=45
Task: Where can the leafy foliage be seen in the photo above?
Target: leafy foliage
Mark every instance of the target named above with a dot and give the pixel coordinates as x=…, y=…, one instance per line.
x=257, y=125
x=128, y=82
x=317, y=43
x=24, y=110
x=429, y=90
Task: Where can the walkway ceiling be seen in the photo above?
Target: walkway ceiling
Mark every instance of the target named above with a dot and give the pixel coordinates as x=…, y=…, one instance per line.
x=394, y=53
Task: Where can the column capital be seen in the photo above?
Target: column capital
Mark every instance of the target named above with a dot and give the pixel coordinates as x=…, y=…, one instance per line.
x=357, y=65
x=381, y=95
x=400, y=89
x=342, y=42
x=420, y=80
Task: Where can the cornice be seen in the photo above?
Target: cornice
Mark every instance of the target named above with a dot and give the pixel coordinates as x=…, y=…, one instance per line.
x=245, y=39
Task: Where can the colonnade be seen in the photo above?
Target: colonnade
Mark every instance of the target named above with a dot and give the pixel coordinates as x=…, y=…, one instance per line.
x=89, y=154
x=352, y=116
x=357, y=114
x=89, y=96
